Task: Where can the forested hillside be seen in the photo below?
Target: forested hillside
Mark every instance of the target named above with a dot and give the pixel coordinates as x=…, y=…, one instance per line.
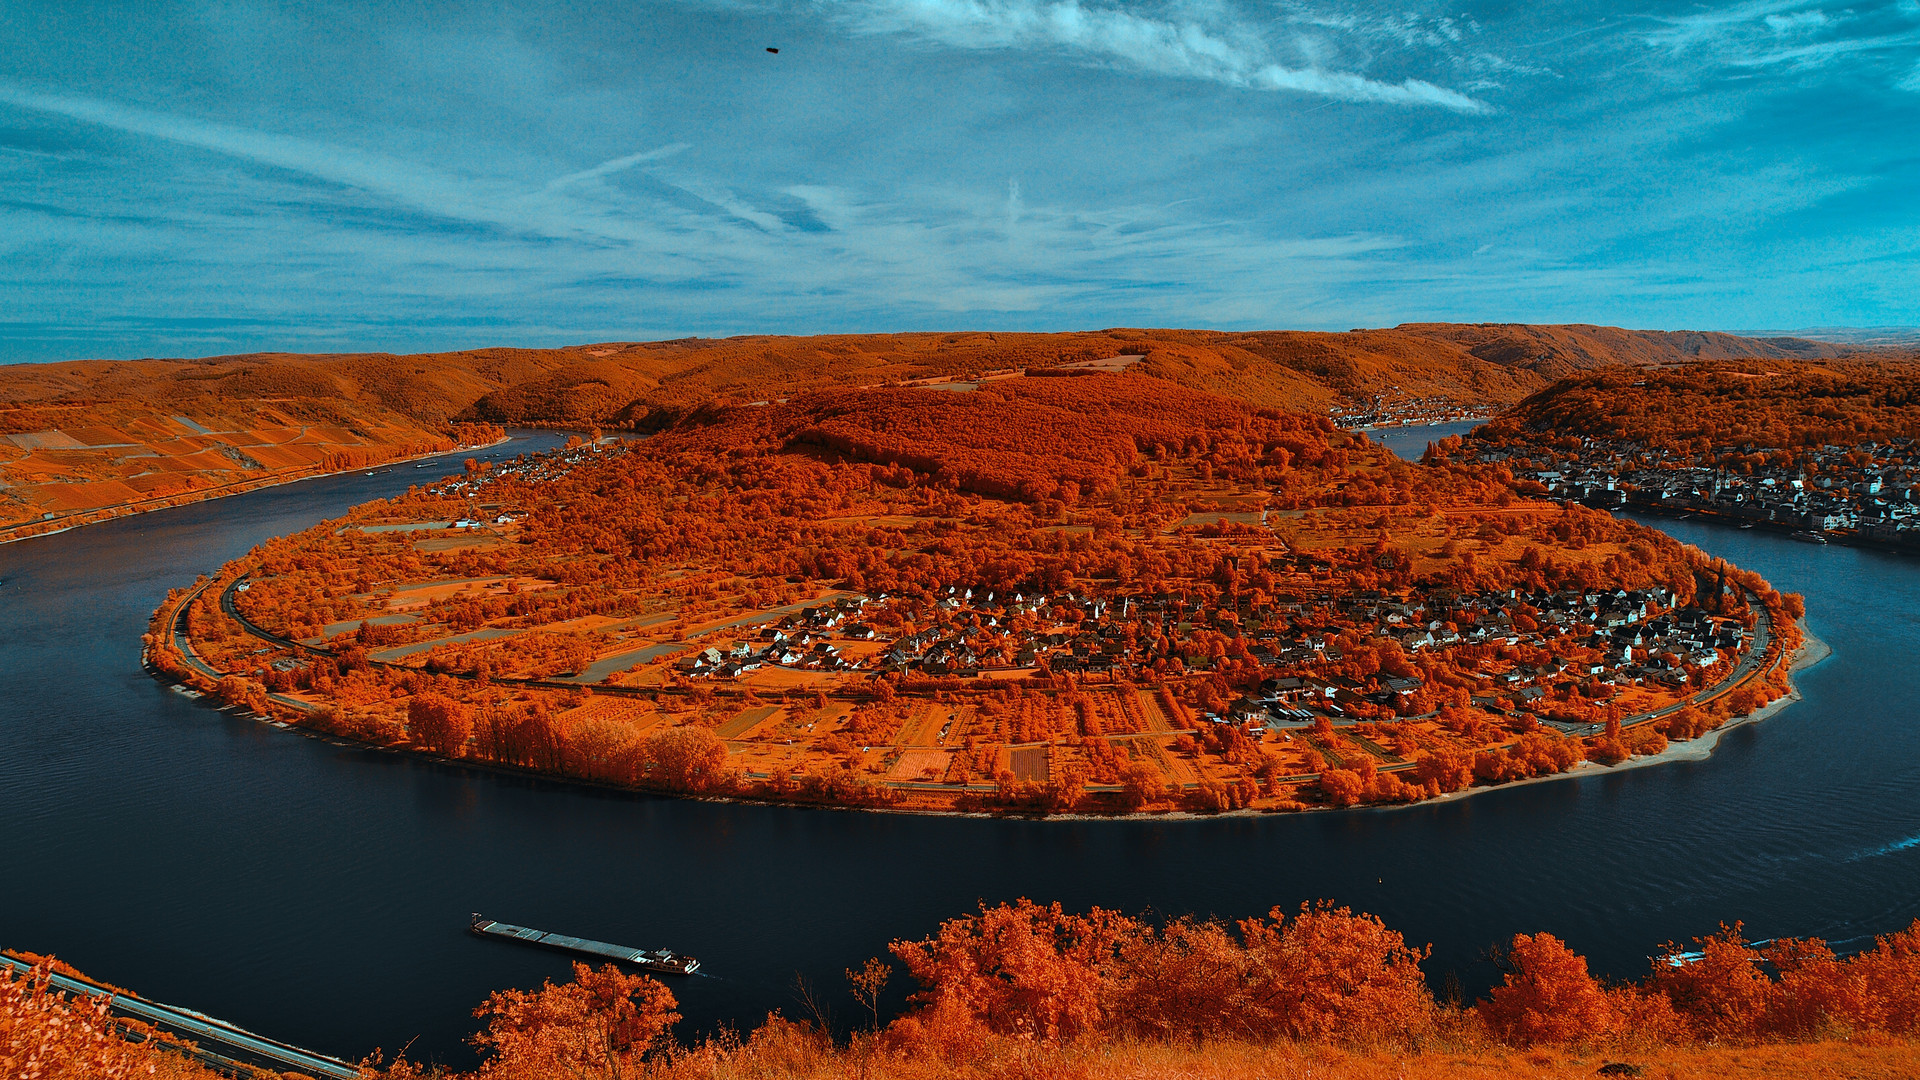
x=85, y=440
x=1767, y=406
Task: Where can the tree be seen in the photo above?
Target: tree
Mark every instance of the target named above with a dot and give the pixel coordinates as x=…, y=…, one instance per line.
x=49, y=1035
x=602, y=1024
x=1328, y=971
x=439, y=723
x=1548, y=996
x=686, y=758
x=868, y=983
x=1444, y=769
x=1342, y=787
x=598, y=746
x=1140, y=784
x=1722, y=991
x=1019, y=969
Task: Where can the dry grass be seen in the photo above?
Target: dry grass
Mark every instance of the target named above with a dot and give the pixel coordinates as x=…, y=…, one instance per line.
x=788, y=1056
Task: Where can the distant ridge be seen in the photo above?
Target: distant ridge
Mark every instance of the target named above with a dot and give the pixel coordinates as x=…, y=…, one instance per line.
x=78, y=439
x=619, y=383
x=1883, y=337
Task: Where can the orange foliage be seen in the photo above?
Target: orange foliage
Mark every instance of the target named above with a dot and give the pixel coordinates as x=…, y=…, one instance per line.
x=1548, y=996
x=440, y=724
x=1036, y=972
x=49, y=1035
x=1037, y=991
x=1046, y=558
x=603, y=1023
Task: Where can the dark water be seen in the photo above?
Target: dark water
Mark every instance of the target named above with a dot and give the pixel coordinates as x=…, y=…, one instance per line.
x=1411, y=442
x=318, y=893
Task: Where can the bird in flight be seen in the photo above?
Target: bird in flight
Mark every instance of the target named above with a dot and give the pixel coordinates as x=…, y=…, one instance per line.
x=771, y=49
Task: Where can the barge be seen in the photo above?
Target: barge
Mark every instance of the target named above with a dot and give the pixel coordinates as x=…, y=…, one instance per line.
x=655, y=960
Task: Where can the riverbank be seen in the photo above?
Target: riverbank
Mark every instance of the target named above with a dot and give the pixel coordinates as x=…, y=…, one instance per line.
x=1840, y=538
x=1811, y=651
x=1402, y=425
x=26, y=530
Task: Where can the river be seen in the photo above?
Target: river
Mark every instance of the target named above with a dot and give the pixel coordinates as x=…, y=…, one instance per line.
x=319, y=893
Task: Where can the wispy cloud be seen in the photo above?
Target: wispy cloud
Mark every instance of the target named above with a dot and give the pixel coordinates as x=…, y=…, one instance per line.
x=1118, y=162
x=929, y=253
x=1789, y=34
x=484, y=201
x=619, y=164
x=1222, y=50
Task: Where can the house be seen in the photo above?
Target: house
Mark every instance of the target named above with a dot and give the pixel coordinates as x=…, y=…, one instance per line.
x=1401, y=685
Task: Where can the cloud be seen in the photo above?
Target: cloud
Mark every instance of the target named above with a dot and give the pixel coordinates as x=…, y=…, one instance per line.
x=1912, y=81
x=1786, y=33
x=619, y=164
x=432, y=192
x=1226, y=52
x=397, y=237
x=1796, y=22
x=1684, y=32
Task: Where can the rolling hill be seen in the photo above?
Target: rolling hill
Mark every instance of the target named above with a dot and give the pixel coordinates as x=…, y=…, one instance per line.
x=89, y=439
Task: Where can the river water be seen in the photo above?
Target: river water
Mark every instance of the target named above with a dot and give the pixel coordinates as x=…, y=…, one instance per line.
x=319, y=893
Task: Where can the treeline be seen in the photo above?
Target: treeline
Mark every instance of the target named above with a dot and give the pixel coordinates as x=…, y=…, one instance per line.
x=1035, y=990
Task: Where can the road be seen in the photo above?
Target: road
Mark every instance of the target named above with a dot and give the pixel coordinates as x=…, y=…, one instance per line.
x=1749, y=663
x=236, y=1045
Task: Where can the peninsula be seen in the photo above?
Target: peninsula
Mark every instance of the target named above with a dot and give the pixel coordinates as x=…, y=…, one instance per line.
x=1081, y=589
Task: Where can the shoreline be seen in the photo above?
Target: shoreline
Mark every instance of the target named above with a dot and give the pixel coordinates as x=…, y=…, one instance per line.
x=1725, y=520
x=1811, y=651
x=244, y=489
x=1369, y=429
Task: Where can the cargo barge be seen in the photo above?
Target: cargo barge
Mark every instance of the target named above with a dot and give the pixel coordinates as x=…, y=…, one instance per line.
x=656, y=960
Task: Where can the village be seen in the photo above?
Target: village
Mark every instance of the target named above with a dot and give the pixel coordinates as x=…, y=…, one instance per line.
x=1393, y=407
x=1229, y=702
x=1840, y=493
x=1509, y=653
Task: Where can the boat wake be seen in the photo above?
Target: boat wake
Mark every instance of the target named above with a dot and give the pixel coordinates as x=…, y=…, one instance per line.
x=1886, y=849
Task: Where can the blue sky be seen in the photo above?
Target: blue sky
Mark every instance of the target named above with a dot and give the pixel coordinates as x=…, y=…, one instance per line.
x=184, y=179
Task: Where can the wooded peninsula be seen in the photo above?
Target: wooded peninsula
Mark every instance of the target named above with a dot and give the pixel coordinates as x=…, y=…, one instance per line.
x=1082, y=589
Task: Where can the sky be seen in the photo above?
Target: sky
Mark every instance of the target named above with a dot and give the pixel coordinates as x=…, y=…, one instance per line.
x=181, y=179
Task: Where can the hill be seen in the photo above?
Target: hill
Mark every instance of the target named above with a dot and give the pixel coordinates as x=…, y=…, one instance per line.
x=1829, y=451
x=1768, y=406
x=89, y=439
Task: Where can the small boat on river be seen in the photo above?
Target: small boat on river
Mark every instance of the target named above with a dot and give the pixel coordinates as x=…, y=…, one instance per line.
x=1806, y=537
x=655, y=960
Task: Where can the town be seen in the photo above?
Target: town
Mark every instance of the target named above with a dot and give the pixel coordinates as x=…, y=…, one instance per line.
x=1869, y=492
x=1594, y=644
